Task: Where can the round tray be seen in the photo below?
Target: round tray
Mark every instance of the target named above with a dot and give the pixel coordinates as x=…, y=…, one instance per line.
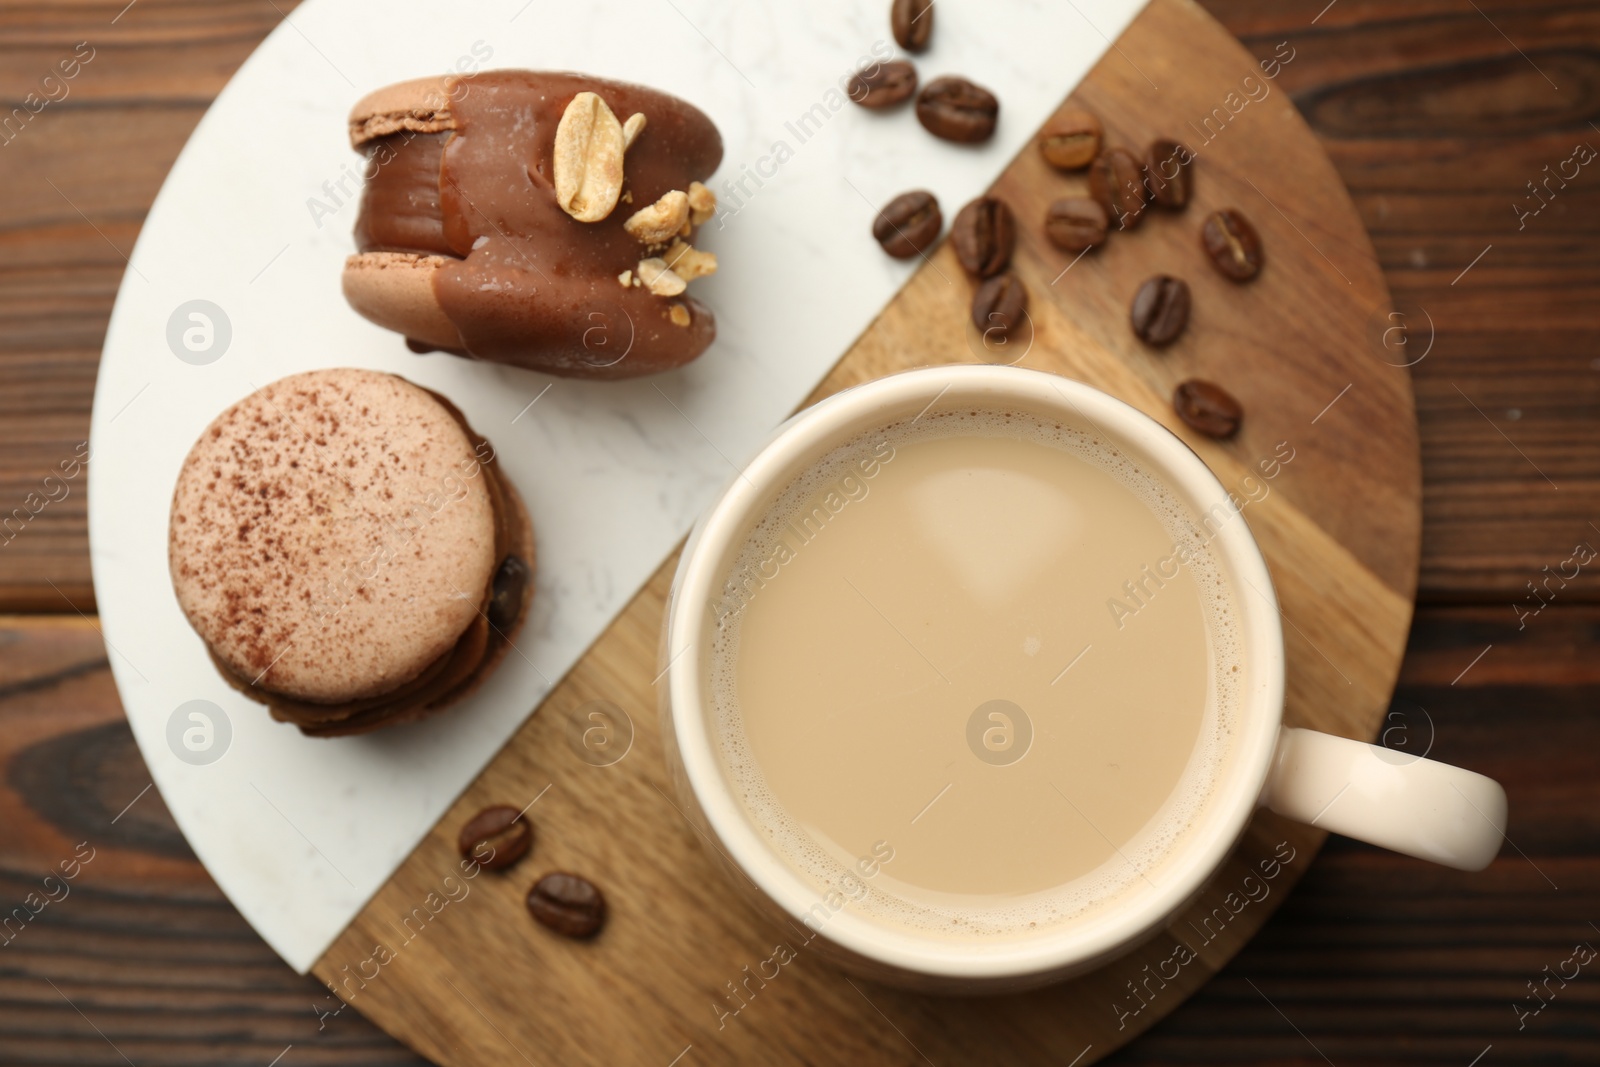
x=686, y=972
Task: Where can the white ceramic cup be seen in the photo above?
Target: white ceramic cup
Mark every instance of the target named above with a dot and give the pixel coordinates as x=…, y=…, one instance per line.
x=1401, y=802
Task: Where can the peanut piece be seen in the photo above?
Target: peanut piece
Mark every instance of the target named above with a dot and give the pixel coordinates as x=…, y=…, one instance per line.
x=632, y=129
x=690, y=263
x=659, y=278
x=657, y=223
x=588, y=159
x=702, y=204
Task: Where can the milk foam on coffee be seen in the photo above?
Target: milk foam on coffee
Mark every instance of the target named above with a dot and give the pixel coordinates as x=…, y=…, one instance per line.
x=975, y=674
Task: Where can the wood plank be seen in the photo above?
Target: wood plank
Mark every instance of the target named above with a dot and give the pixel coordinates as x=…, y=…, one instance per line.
x=141, y=941
x=1402, y=98
x=1372, y=954
x=1425, y=198
x=1436, y=124
x=79, y=177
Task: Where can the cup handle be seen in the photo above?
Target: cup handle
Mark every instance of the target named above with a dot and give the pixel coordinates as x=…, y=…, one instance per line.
x=1417, y=806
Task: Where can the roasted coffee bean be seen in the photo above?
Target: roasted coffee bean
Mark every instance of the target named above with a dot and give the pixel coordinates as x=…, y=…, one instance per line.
x=1207, y=408
x=1171, y=168
x=505, y=597
x=1116, y=180
x=908, y=224
x=883, y=84
x=1075, y=223
x=957, y=110
x=912, y=23
x=1160, y=310
x=496, y=837
x=1232, y=244
x=999, y=304
x=1071, y=140
x=568, y=904
x=983, y=235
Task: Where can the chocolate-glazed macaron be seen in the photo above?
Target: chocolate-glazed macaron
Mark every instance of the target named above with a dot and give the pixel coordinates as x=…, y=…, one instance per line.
x=349, y=551
x=543, y=220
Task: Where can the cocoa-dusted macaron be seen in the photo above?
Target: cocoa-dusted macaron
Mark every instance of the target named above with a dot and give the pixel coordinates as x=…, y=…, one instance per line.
x=545, y=220
x=349, y=551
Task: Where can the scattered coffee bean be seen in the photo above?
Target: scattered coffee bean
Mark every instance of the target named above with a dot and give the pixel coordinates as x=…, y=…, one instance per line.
x=1232, y=244
x=1116, y=180
x=957, y=110
x=983, y=235
x=568, y=904
x=1170, y=164
x=505, y=595
x=496, y=837
x=883, y=84
x=1207, y=408
x=1160, y=310
x=1075, y=223
x=912, y=23
x=1071, y=140
x=908, y=224
x=999, y=304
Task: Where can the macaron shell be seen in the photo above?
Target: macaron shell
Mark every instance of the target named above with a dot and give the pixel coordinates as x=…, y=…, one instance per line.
x=527, y=550
x=330, y=535
x=422, y=104
x=395, y=290
x=497, y=649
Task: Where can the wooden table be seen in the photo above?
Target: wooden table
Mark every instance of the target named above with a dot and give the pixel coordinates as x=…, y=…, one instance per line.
x=1436, y=112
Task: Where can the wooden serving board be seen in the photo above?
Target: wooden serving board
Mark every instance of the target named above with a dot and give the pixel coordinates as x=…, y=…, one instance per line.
x=686, y=972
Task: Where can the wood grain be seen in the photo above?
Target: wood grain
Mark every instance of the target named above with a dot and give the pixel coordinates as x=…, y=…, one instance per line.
x=79, y=177
x=1375, y=958
x=1437, y=115
x=684, y=963
x=139, y=955
x=1433, y=120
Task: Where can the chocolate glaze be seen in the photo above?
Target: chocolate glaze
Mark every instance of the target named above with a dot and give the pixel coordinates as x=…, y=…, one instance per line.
x=400, y=209
x=528, y=284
